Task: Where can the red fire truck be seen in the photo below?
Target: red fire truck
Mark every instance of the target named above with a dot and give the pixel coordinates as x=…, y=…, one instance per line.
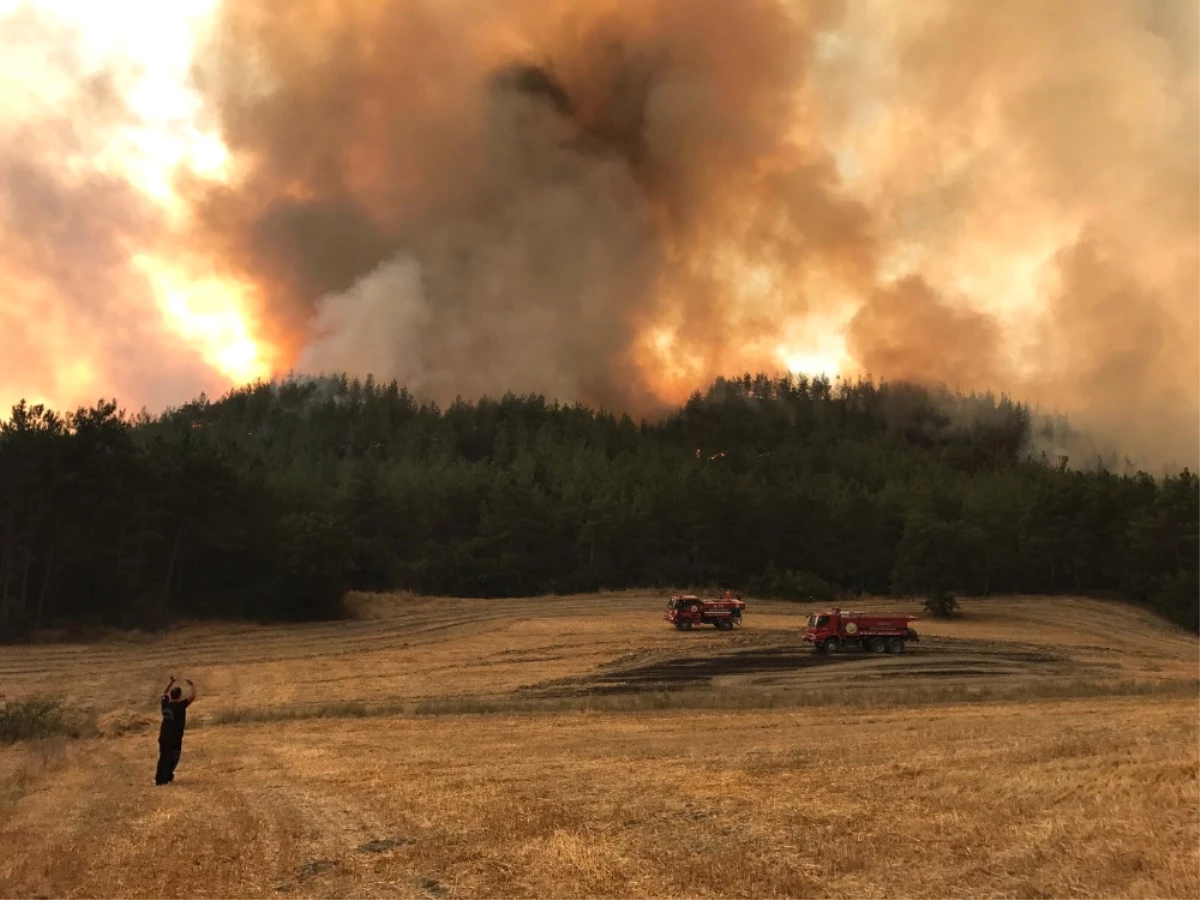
x=686, y=610
x=836, y=630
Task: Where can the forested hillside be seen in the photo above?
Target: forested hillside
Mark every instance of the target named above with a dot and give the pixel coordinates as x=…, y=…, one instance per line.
x=272, y=501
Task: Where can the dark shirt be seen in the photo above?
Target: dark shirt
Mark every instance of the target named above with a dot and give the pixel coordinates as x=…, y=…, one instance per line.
x=174, y=718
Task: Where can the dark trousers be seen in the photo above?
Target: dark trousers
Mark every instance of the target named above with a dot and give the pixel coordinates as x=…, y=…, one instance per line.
x=168, y=759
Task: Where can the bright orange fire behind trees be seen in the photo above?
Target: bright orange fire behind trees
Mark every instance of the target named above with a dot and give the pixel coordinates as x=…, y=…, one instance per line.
x=527, y=198
x=97, y=124
x=605, y=201
x=214, y=315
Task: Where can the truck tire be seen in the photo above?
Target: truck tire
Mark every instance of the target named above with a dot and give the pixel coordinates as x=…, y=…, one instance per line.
x=724, y=624
x=831, y=646
x=684, y=624
x=895, y=645
x=877, y=645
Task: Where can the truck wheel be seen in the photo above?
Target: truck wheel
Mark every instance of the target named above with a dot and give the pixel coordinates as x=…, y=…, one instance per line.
x=685, y=624
x=877, y=645
x=831, y=646
x=724, y=624
x=895, y=645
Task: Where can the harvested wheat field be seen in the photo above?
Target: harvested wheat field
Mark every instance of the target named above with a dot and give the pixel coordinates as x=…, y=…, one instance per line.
x=580, y=747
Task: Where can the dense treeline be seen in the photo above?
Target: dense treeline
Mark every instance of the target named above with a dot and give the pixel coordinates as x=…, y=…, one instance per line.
x=274, y=500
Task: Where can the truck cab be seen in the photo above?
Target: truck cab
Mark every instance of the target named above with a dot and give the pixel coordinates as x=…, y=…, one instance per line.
x=820, y=625
x=822, y=628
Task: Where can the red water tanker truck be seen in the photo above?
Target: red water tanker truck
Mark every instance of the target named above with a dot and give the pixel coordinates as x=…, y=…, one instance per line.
x=836, y=630
x=687, y=610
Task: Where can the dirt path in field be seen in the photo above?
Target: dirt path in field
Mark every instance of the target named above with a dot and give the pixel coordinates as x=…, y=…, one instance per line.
x=245, y=817
x=1052, y=799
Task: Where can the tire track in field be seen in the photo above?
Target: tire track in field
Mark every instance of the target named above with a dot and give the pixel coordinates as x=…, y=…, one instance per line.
x=285, y=643
x=269, y=646
x=306, y=666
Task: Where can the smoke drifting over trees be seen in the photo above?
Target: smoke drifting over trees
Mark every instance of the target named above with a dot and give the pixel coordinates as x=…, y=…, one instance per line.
x=615, y=202
x=270, y=502
x=74, y=311
x=561, y=182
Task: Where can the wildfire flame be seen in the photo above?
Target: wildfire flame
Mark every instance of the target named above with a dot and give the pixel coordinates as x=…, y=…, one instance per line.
x=602, y=201
x=212, y=315
x=157, y=141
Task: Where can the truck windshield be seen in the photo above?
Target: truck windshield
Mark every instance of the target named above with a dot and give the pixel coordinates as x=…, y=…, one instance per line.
x=818, y=621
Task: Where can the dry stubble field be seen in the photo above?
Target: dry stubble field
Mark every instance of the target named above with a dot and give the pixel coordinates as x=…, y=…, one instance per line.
x=579, y=746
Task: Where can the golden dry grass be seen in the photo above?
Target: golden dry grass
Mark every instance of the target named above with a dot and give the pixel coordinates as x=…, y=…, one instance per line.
x=888, y=785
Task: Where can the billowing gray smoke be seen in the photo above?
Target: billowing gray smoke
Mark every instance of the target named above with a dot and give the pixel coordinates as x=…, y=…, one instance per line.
x=515, y=200
x=616, y=202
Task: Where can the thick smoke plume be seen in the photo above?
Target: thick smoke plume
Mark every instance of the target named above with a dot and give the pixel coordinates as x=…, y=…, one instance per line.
x=1042, y=159
x=517, y=195
x=76, y=318
x=616, y=202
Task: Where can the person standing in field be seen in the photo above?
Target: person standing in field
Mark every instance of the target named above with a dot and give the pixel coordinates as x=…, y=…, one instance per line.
x=170, y=733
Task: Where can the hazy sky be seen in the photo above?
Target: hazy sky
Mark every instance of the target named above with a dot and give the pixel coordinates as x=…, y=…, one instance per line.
x=610, y=202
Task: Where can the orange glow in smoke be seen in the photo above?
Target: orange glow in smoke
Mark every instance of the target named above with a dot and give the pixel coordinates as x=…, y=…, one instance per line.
x=669, y=370
x=210, y=313
x=811, y=364
x=158, y=136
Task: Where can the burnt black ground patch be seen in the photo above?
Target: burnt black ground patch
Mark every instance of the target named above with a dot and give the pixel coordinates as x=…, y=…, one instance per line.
x=781, y=662
x=316, y=867
x=695, y=671
x=381, y=845
x=689, y=670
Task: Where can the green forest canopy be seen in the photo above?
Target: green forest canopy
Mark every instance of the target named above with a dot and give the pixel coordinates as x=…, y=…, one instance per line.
x=274, y=500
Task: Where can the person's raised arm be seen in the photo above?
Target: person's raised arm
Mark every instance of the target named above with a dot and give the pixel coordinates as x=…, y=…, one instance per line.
x=191, y=689
x=167, y=689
